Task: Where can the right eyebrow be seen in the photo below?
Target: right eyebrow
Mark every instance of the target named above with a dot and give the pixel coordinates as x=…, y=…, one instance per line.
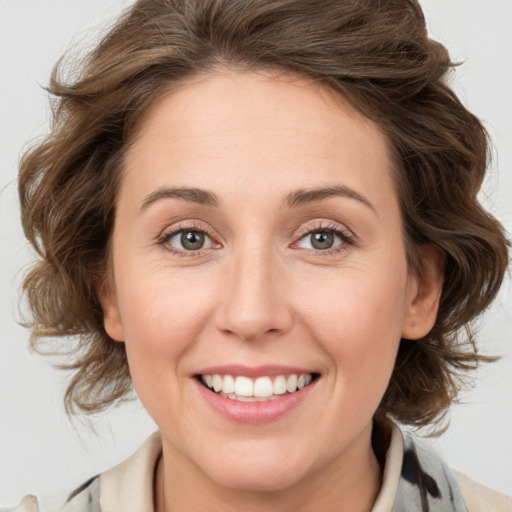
x=194, y=195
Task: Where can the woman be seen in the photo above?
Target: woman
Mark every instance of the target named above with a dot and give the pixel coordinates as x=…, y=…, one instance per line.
x=264, y=216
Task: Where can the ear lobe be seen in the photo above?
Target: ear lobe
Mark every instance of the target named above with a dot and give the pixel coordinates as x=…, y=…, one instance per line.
x=424, y=294
x=111, y=316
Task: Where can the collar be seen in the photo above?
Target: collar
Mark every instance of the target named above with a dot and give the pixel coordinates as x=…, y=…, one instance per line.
x=415, y=479
x=129, y=485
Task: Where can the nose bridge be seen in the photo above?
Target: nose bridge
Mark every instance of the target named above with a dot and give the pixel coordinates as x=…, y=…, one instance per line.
x=254, y=299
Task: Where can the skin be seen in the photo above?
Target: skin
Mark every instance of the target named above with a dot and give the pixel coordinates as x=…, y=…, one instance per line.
x=259, y=292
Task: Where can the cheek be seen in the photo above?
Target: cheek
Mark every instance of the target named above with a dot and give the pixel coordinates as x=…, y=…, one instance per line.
x=357, y=319
x=162, y=315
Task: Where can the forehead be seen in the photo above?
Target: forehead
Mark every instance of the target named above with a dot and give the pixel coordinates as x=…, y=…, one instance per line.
x=245, y=127
x=251, y=99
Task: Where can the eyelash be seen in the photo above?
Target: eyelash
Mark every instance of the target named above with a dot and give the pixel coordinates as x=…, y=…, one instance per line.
x=167, y=236
x=347, y=239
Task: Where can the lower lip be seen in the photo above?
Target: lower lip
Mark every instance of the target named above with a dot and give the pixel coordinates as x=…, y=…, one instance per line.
x=255, y=413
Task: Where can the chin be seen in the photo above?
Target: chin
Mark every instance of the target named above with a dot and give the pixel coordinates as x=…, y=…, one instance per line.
x=260, y=479
x=272, y=474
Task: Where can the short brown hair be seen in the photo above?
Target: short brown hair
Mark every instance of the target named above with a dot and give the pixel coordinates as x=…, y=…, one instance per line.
x=376, y=54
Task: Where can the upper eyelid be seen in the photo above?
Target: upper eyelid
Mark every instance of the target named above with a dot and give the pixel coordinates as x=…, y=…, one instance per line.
x=184, y=226
x=318, y=225
x=325, y=226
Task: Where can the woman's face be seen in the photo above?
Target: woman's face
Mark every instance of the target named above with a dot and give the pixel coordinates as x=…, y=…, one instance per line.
x=258, y=238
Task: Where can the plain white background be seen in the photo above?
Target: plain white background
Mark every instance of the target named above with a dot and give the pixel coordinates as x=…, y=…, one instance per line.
x=40, y=450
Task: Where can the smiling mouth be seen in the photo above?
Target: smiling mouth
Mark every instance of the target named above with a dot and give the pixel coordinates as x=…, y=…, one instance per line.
x=260, y=389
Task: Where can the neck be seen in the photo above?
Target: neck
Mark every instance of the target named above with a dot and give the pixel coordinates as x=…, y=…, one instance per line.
x=347, y=483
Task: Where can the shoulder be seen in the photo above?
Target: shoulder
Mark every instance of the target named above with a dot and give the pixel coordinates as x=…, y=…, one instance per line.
x=85, y=498
x=479, y=498
x=127, y=486
x=428, y=466
x=28, y=504
x=423, y=467
x=416, y=478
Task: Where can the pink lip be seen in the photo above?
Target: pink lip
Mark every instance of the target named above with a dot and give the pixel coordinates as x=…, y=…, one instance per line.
x=252, y=371
x=255, y=413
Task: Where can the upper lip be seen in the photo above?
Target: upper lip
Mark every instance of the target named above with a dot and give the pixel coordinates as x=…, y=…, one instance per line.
x=253, y=371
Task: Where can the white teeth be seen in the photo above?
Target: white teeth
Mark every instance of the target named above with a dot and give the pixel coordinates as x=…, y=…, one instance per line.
x=263, y=388
x=243, y=386
x=291, y=383
x=217, y=383
x=245, y=398
x=228, y=384
x=280, y=385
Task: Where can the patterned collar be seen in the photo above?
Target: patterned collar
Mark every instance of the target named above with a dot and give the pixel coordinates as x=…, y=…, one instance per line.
x=415, y=479
x=426, y=483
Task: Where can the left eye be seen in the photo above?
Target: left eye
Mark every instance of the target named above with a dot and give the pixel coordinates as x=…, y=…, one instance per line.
x=321, y=240
x=190, y=240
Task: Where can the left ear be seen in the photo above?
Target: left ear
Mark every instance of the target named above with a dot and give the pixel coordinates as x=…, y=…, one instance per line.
x=424, y=294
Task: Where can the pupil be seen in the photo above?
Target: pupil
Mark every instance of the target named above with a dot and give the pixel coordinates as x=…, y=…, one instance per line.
x=192, y=240
x=322, y=240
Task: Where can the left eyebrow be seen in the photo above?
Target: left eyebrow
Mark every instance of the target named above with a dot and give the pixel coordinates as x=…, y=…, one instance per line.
x=303, y=196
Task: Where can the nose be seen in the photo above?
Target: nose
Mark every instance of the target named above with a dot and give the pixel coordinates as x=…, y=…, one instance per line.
x=253, y=300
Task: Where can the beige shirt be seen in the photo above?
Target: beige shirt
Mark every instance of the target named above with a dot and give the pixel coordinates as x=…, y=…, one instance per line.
x=128, y=487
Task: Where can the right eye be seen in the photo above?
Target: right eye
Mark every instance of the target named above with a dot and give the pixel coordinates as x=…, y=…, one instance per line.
x=187, y=240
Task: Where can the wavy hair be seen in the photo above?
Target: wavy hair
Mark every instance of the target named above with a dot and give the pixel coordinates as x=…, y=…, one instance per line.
x=374, y=53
